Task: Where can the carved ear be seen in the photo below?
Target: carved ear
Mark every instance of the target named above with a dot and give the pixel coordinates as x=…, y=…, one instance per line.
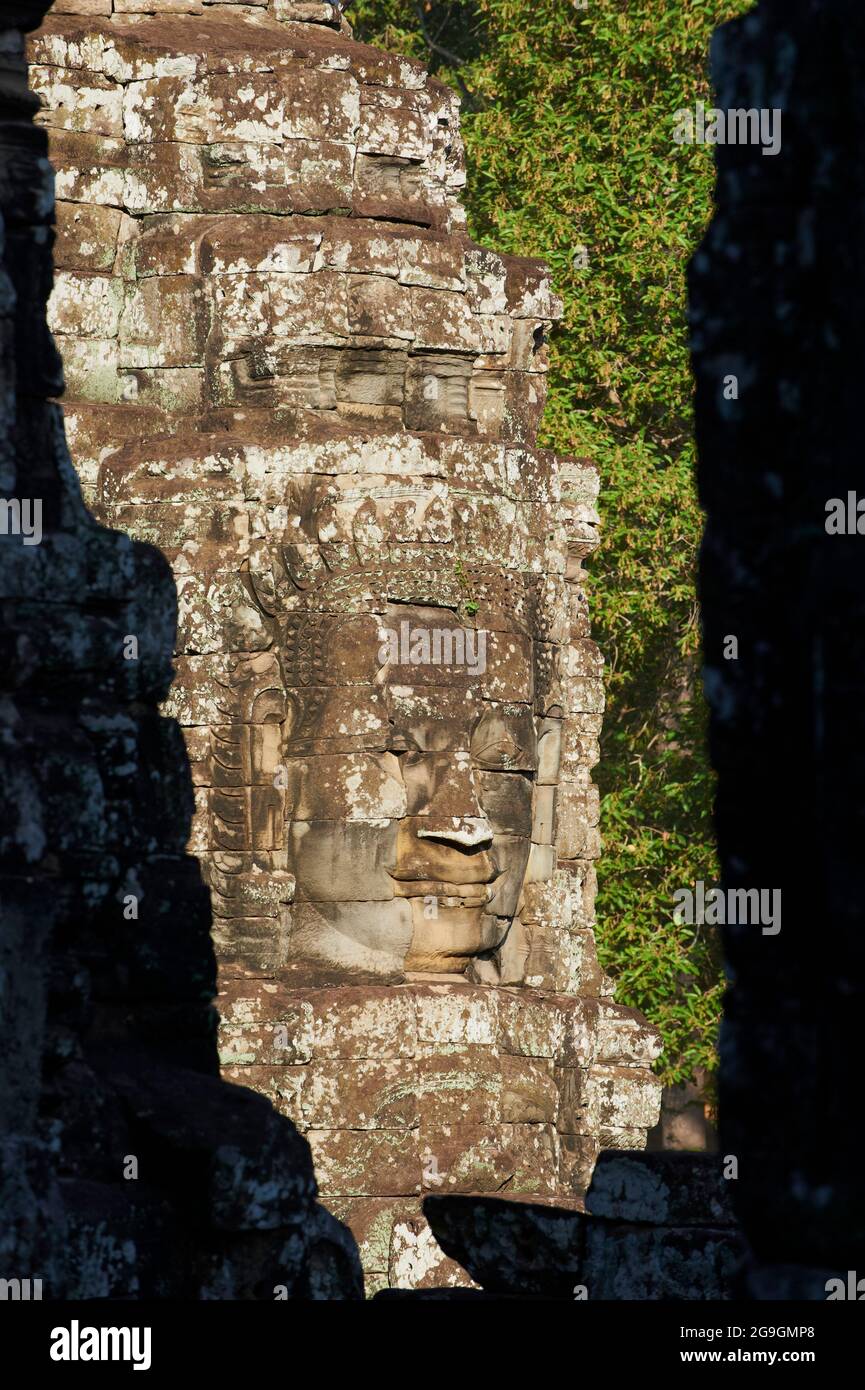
x=250, y=678
x=549, y=750
x=293, y=718
x=269, y=706
x=542, y=862
x=512, y=953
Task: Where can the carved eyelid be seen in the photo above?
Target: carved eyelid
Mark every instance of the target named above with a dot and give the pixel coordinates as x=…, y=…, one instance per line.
x=505, y=747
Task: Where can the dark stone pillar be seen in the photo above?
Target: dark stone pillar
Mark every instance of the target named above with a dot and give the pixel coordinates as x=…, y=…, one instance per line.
x=778, y=302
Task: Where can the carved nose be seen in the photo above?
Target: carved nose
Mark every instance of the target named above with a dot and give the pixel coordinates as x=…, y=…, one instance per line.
x=464, y=832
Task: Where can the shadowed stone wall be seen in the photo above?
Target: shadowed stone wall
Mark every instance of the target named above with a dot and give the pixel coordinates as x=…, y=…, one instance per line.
x=128, y=1169
x=777, y=290
x=291, y=370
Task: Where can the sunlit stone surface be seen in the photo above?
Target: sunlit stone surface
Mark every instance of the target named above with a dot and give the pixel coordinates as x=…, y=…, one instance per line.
x=290, y=369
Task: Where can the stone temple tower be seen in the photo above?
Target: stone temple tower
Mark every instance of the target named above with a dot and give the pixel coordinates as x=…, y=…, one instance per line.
x=290, y=369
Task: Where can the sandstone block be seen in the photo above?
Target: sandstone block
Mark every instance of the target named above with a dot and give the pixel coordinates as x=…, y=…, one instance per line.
x=93, y=105
x=163, y=324
x=331, y=941
x=395, y=123
x=263, y=1024
x=86, y=305
x=485, y=1159
x=321, y=105
x=661, y=1189
x=372, y=1220
x=372, y=1095
x=365, y=1021
x=91, y=369
x=459, y=1086
x=625, y=1038
x=89, y=168
x=529, y=1093
x=621, y=1097
x=318, y=175
x=88, y=238
x=418, y=1262
x=365, y=1163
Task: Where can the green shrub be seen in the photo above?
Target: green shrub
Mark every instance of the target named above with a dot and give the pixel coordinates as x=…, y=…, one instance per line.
x=568, y=123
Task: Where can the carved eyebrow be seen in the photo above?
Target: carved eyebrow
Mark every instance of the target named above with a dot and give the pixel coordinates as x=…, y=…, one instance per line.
x=512, y=724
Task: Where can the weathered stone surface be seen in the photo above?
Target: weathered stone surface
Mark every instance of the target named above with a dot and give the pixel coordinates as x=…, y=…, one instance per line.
x=417, y=1260
x=327, y=424
x=397, y=1246
x=162, y=130
x=685, y=1263
x=621, y=1098
x=510, y=1246
x=661, y=1189
x=128, y=1168
x=375, y=1163
x=648, y=1236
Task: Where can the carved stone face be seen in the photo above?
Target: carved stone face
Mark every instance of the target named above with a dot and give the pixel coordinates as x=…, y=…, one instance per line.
x=385, y=746
x=410, y=845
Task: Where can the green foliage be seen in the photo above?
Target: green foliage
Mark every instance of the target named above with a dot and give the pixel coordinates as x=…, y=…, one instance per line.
x=568, y=130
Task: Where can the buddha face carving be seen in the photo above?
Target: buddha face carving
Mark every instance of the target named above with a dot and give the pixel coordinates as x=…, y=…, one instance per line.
x=414, y=845
x=409, y=790
x=463, y=848
x=406, y=733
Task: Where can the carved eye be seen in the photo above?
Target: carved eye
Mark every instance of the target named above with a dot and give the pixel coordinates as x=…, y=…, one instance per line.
x=502, y=752
x=409, y=755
